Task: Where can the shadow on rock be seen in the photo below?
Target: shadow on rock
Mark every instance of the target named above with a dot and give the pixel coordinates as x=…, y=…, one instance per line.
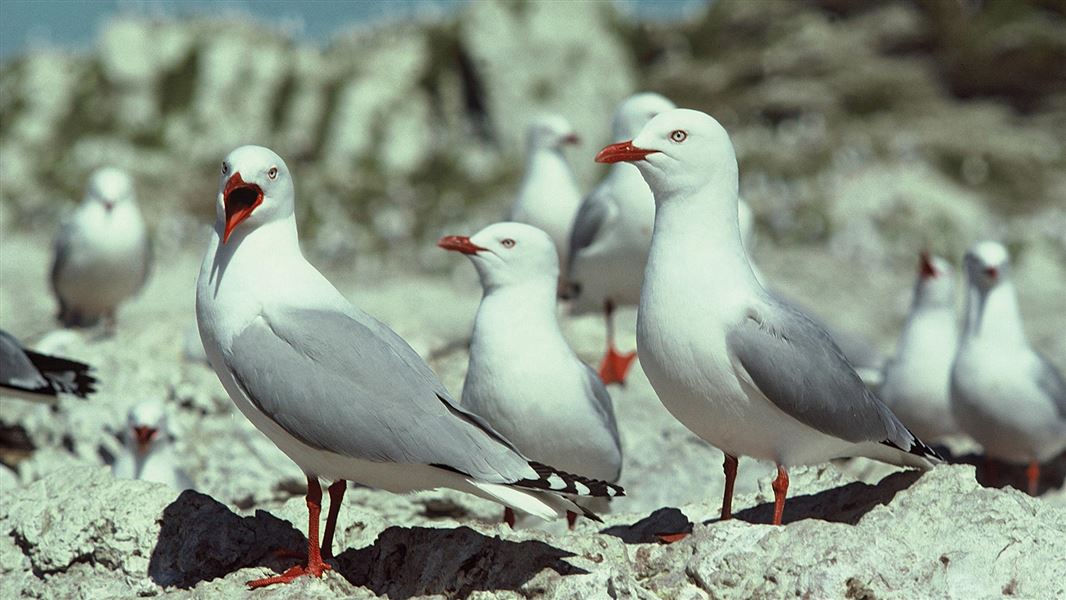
x=1000, y=474
x=844, y=504
x=665, y=521
x=201, y=539
x=405, y=562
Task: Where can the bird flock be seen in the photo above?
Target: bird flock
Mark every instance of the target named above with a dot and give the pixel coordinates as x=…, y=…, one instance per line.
x=534, y=429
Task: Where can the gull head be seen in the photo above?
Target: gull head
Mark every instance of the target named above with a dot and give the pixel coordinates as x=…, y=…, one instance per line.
x=678, y=152
x=147, y=423
x=508, y=253
x=634, y=113
x=936, y=281
x=110, y=187
x=987, y=264
x=550, y=132
x=254, y=188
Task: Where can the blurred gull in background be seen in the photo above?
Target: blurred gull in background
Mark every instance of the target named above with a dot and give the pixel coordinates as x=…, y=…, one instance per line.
x=149, y=452
x=1006, y=396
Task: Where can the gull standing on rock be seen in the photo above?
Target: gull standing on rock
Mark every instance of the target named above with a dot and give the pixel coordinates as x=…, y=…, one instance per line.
x=524, y=379
x=917, y=381
x=611, y=235
x=336, y=390
x=149, y=451
x=39, y=377
x=102, y=254
x=740, y=368
x=1005, y=395
x=548, y=196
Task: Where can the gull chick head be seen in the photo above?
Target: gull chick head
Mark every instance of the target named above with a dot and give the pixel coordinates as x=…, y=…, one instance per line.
x=110, y=187
x=678, y=151
x=635, y=111
x=508, y=253
x=936, y=281
x=987, y=264
x=550, y=131
x=254, y=188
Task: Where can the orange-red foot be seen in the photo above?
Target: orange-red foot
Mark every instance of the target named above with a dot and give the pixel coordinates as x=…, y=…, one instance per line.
x=312, y=569
x=614, y=367
x=670, y=538
x=1032, y=476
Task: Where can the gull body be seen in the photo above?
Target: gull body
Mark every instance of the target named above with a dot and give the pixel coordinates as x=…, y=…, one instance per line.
x=336, y=390
x=102, y=253
x=917, y=381
x=40, y=377
x=548, y=196
x=523, y=378
x=739, y=367
x=1005, y=395
x=611, y=235
x=149, y=452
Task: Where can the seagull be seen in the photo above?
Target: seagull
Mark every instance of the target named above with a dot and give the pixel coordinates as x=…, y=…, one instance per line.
x=548, y=196
x=102, y=254
x=916, y=382
x=149, y=452
x=523, y=378
x=40, y=377
x=611, y=235
x=739, y=367
x=1004, y=394
x=336, y=390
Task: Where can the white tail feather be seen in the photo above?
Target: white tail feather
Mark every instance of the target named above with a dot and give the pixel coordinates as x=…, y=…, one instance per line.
x=539, y=504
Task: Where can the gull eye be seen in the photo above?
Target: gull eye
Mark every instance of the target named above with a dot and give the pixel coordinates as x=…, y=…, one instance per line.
x=507, y=243
x=272, y=173
x=225, y=168
x=678, y=135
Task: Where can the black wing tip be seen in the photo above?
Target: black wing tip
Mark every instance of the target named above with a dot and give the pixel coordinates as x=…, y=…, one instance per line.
x=917, y=448
x=551, y=479
x=66, y=376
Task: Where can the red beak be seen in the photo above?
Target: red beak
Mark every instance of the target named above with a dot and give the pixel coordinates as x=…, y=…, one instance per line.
x=459, y=243
x=109, y=205
x=622, y=152
x=572, y=139
x=991, y=272
x=240, y=199
x=144, y=437
x=927, y=269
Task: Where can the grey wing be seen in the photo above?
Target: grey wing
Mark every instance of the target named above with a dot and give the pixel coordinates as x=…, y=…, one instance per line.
x=1051, y=382
x=604, y=407
x=349, y=385
x=591, y=215
x=17, y=371
x=799, y=368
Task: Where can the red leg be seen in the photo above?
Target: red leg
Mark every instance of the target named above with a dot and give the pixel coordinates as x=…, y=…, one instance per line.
x=508, y=517
x=1033, y=475
x=315, y=566
x=730, y=468
x=991, y=472
x=780, y=486
x=336, y=495
x=614, y=366
x=571, y=518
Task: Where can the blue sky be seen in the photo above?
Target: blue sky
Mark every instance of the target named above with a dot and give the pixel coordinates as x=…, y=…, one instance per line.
x=74, y=24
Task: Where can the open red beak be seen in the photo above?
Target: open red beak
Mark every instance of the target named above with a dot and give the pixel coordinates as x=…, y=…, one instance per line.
x=144, y=437
x=459, y=243
x=240, y=199
x=622, y=152
x=927, y=269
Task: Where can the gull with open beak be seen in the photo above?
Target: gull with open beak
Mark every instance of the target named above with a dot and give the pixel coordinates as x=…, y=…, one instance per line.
x=916, y=382
x=335, y=389
x=1004, y=394
x=523, y=378
x=548, y=196
x=739, y=367
x=102, y=253
x=149, y=449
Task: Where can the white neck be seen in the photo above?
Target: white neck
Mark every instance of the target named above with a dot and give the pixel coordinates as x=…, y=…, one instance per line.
x=994, y=315
x=527, y=308
x=547, y=164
